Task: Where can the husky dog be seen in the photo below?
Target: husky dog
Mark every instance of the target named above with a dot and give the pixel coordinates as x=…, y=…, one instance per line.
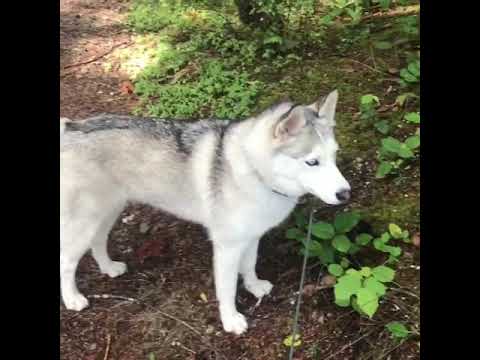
x=238, y=179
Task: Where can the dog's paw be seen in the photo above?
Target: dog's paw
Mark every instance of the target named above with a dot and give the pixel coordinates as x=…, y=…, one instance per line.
x=116, y=268
x=234, y=323
x=75, y=302
x=259, y=288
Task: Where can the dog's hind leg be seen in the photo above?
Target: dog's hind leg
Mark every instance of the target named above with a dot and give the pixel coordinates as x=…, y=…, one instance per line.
x=99, y=246
x=253, y=284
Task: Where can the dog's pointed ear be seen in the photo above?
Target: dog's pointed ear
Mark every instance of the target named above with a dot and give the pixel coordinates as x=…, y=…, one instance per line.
x=290, y=125
x=326, y=106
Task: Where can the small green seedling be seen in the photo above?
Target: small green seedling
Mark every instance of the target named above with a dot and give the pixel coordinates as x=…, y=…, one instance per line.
x=413, y=117
x=393, y=153
x=398, y=330
x=288, y=341
x=368, y=112
x=411, y=74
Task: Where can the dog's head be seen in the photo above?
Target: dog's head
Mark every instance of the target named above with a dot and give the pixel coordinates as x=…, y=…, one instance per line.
x=304, y=151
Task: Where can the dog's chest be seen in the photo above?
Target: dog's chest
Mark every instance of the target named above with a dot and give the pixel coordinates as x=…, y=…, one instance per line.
x=265, y=213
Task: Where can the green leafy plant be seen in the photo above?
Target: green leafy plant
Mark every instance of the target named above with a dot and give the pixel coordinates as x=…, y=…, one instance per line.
x=368, y=112
x=413, y=117
x=411, y=74
x=394, y=152
x=382, y=243
x=331, y=242
x=363, y=288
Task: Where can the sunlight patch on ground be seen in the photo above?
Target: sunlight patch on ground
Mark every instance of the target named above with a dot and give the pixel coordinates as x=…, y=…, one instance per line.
x=144, y=51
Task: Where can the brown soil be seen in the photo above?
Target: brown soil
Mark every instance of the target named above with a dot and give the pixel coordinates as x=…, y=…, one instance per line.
x=164, y=307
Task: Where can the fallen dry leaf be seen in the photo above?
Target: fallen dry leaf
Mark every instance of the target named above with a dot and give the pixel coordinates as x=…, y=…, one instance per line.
x=328, y=280
x=309, y=290
x=126, y=88
x=416, y=240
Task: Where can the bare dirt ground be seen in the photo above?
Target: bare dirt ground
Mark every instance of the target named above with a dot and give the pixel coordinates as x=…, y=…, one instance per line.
x=164, y=307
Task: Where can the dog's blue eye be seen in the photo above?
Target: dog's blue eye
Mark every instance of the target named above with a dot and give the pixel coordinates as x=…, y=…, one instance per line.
x=312, y=162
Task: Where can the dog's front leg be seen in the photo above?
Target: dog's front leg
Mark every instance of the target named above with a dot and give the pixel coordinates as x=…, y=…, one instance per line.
x=226, y=259
x=253, y=284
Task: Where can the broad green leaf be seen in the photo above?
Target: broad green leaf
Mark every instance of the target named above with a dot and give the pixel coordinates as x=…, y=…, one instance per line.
x=341, y=243
x=383, y=273
x=407, y=76
x=383, y=45
x=323, y=230
x=375, y=286
x=327, y=256
x=335, y=270
x=349, y=284
x=363, y=239
x=406, y=236
x=344, y=263
x=342, y=296
x=346, y=221
x=413, y=142
x=384, y=169
x=414, y=68
x=355, y=306
x=367, y=301
x=397, y=329
x=379, y=244
x=315, y=248
x=294, y=233
x=395, y=251
x=369, y=99
x=391, y=144
x=382, y=126
x=405, y=152
x=385, y=237
x=353, y=272
x=365, y=271
x=395, y=231
x=412, y=118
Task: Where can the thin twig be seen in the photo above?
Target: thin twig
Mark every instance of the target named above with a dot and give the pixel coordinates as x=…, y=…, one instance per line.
x=367, y=66
x=350, y=344
x=97, y=57
x=206, y=342
x=117, y=297
x=391, y=350
x=180, y=321
x=107, y=350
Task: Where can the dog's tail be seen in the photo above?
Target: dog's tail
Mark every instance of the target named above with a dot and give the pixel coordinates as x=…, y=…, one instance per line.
x=63, y=121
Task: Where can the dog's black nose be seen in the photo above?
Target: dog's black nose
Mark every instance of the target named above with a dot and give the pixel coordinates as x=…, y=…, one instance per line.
x=343, y=195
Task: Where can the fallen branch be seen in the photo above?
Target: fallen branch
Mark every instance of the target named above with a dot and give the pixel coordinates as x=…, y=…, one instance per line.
x=400, y=11
x=97, y=57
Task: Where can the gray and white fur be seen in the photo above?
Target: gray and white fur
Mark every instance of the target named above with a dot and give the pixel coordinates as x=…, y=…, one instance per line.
x=238, y=179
